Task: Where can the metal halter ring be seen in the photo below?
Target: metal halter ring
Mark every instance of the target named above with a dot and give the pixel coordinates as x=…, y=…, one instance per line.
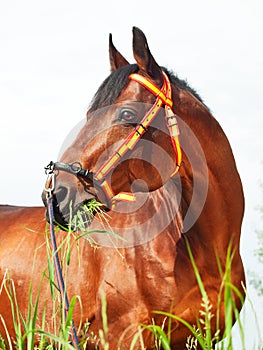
x=76, y=167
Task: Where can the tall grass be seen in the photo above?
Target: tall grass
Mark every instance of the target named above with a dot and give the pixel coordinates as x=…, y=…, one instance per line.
x=30, y=329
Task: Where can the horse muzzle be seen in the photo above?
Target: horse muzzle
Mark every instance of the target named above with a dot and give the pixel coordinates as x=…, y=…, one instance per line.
x=70, y=212
x=70, y=196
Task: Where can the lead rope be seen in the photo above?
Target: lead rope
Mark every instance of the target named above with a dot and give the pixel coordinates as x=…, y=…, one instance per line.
x=57, y=264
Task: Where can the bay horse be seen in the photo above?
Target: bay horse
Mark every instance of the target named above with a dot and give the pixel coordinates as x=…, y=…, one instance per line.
x=159, y=190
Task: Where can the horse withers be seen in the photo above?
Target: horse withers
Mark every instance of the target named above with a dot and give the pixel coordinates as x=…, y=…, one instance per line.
x=162, y=168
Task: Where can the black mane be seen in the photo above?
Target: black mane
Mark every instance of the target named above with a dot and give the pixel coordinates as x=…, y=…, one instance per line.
x=116, y=82
x=181, y=84
x=112, y=87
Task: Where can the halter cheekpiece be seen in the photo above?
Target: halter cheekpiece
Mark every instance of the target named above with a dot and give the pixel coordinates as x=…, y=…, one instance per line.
x=163, y=98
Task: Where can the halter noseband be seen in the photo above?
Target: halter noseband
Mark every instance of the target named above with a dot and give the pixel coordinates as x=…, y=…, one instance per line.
x=163, y=97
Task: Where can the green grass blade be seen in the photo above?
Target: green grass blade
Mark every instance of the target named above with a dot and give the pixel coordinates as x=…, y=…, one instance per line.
x=159, y=333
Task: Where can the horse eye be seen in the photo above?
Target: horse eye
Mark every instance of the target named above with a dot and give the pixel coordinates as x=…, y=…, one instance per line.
x=127, y=115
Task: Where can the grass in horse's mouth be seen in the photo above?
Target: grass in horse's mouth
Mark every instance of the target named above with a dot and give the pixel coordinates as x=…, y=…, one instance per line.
x=92, y=210
x=84, y=216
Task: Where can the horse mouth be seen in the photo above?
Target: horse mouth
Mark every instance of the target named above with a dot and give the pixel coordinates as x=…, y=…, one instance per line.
x=74, y=218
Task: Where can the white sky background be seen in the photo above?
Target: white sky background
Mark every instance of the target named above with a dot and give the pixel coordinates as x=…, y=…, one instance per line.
x=54, y=55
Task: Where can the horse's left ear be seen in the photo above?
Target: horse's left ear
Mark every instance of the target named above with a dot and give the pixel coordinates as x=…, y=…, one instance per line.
x=144, y=58
x=116, y=59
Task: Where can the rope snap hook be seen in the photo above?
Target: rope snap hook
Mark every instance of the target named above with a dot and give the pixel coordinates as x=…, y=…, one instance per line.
x=50, y=185
x=51, y=180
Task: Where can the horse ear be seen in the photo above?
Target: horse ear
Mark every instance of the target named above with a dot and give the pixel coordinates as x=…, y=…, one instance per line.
x=116, y=59
x=144, y=58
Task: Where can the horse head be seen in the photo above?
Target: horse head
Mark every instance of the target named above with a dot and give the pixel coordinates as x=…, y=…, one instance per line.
x=130, y=140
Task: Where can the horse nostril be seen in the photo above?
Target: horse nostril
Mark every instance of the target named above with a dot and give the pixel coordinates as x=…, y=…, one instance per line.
x=60, y=193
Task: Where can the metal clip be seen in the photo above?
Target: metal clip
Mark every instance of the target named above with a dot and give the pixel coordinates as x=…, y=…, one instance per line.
x=50, y=184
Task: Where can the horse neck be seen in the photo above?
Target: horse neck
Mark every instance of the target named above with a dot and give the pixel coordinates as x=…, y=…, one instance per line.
x=211, y=188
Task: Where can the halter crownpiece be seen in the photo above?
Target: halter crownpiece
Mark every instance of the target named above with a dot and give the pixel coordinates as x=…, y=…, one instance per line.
x=163, y=97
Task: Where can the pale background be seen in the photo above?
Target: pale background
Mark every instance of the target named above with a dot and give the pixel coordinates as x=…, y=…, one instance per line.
x=54, y=55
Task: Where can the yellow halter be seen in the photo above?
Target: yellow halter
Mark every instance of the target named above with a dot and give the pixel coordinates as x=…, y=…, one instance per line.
x=163, y=97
